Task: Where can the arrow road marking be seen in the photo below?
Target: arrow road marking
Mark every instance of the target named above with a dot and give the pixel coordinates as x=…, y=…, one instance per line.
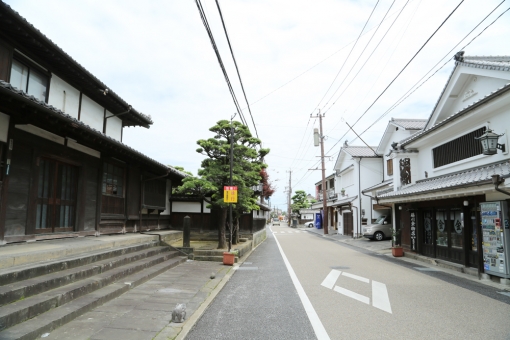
x=330, y=280
x=380, y=298
x=353, y=295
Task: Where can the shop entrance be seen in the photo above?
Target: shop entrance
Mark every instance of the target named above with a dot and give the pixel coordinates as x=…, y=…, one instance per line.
x=56, y=196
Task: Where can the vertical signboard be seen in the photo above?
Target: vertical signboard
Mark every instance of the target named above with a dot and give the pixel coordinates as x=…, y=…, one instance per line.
x=413, y=231
x=496, y=237
x=230, y=194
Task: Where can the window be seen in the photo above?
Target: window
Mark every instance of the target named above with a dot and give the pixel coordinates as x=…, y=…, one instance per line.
x=332, y=183
x=389, y=167
x=458, y=149
x=29, y=80
x=113, y=180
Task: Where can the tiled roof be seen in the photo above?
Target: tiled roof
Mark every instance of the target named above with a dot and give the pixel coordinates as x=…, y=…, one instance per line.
x=62, y=115
x=378, y=185
x=457, y=114
x=500, y=63
x=409, y=124
x=466, y=178
x=343, y=201
x=360, y=151
x=18, y=22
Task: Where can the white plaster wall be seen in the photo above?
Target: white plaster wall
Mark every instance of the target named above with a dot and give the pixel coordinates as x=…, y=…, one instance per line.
x=186, y=207
x=113, y=127
x=498, y=114
x=64, y=97
x=4, y=127
x=92, y=113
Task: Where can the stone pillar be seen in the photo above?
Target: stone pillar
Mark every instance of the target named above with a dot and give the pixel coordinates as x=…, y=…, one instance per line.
x=186, y=231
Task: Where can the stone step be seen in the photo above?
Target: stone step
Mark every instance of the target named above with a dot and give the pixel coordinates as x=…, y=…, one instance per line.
x=56, y=317
x=23, y=272
x=19, y=311
x=25, y=288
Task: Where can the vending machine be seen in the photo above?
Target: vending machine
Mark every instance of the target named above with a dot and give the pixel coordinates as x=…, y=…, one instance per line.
x=496, y=238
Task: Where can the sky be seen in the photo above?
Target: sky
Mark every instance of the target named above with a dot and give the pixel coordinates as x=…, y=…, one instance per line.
x=296, y=59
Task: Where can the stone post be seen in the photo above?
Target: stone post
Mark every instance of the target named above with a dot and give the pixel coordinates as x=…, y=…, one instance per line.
x=186, y=231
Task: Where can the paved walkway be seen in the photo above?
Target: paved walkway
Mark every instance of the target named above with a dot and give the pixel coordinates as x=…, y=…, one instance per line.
x=145, y=312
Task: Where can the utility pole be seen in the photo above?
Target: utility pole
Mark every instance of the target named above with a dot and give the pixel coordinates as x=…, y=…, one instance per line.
x=288, y=197
x=324, y=194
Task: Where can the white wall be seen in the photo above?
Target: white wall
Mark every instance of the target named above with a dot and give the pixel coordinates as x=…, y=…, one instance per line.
x=192, y=207
x=114, y=127
x=92, y=113
x=64, y=97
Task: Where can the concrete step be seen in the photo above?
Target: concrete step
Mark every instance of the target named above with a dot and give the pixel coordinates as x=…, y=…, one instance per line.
x=36, y=285
x=18, y=273
x=24, y=309
x=56, y=317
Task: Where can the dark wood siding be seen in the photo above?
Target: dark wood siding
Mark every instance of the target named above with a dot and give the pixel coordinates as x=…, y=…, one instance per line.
x=18, y=190
x=91, y=175
x=133, y=193
x=5, y=62
x=155, y=193
x=458, y=149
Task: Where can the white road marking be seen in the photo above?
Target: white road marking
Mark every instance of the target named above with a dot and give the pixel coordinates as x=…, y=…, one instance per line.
x=380, y=297
x=330, y=280
x=317, y=325
x=352, y=295
x=356, y=277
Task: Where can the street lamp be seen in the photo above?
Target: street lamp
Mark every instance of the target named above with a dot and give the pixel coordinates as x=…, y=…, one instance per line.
x=490, y=143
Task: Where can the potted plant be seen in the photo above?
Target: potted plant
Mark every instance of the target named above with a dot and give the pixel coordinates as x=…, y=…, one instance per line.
x=229, y=257
x=396, y=249
x=342, y=192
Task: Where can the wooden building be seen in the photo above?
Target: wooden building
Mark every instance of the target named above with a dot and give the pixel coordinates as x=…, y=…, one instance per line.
x=64, y=169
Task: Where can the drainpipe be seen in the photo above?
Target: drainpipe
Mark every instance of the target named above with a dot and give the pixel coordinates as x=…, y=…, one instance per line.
x=142, y=190
x=497, y=180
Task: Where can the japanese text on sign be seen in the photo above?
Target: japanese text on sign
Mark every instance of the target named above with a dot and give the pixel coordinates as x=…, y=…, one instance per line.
x=230, y=194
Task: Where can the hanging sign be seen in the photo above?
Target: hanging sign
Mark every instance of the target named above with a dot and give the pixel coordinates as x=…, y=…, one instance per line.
x=230, y=194
x=413, y=231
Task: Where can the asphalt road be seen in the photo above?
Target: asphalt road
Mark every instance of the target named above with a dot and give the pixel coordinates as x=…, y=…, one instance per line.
x=329, y=290
x=258, y=302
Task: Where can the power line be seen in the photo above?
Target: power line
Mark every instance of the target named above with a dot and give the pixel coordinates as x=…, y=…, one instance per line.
x=411, y=90
x=342, y=67
x=402, y=70
x=220, y=61
x=237, y=69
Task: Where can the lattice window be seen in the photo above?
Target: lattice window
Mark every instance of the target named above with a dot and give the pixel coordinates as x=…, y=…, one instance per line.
x=458, y=149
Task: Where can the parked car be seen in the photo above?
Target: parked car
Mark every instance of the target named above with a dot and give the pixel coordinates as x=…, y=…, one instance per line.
x=309, y=224
x=276, y=221
x=379, y=230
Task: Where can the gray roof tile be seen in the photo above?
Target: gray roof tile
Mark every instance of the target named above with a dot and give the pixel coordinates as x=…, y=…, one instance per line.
x=461, y=179
x=409, y=124
x=360, y=151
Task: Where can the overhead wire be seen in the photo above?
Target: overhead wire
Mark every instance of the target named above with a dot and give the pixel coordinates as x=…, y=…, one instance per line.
x=414, y=87
x=237, y=69
x=402, y=70
x=345, y=60
x=361, y=54
x=220, y=61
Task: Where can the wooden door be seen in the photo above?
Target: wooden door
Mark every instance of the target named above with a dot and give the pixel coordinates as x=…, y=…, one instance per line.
x=428, y=235
x=56, y=196
x=347, y=217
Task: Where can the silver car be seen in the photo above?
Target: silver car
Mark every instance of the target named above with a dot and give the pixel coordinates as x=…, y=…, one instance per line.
x=379, y=230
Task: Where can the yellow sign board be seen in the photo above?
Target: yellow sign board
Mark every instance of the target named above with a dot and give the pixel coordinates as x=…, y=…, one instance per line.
x=230, y=194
